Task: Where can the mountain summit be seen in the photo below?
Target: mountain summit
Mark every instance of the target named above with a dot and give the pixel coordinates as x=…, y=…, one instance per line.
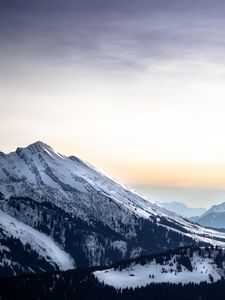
x=93, y=219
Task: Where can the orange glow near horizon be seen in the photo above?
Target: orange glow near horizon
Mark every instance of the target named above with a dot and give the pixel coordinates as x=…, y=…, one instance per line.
x=207, y=176
x=141, y=170
x=147, y=128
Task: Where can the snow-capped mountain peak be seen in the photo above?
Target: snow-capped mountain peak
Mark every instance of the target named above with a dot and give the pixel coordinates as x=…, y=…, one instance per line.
x=39, y=165
x=37, y=148
x=38, y=171
x=74, y=189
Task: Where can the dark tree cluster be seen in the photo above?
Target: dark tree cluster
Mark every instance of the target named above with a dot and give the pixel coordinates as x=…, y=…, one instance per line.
x=81, y=285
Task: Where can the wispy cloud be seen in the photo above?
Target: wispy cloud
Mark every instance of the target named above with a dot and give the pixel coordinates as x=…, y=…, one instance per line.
x=125, y=35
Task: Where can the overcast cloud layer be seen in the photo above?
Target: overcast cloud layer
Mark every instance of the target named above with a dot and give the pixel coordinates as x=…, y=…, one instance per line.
x=112, y=34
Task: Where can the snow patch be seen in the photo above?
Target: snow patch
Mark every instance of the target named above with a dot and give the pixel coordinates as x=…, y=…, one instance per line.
x=137, y=275
x=38, y=241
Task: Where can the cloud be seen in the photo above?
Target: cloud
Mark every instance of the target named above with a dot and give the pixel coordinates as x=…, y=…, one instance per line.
x=112, y=35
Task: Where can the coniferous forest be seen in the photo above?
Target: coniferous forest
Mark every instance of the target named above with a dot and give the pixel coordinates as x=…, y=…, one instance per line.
x=81, y=285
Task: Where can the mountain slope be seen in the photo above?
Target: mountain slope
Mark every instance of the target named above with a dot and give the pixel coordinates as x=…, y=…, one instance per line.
x=15, y=236
x=92, y=218
x=88, y=243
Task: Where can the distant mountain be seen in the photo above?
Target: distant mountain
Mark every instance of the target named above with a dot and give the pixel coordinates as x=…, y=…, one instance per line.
x=182, y=209
x=214, y=217
x=62, y=213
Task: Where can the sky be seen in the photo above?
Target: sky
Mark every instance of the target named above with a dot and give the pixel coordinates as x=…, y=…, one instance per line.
x=135, y=87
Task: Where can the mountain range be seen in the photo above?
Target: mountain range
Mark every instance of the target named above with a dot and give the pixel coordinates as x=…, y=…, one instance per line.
x=62, y=213
x=182, y=209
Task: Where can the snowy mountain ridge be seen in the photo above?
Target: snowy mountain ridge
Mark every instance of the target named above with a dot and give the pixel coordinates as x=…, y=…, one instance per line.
x=40, y=166
x=38, y=171
x=91, y=217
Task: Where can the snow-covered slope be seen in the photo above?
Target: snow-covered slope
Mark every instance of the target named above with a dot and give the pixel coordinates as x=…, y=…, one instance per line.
x=40, y=243
x=92, y=217
x=183, y=266
x=39, y=167
x=41, y=173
